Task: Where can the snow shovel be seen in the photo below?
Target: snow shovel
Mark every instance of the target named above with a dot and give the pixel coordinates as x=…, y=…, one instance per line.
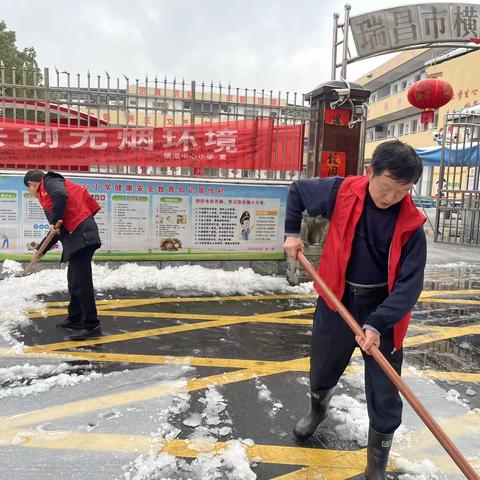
x=404, y=389
x=29, y=268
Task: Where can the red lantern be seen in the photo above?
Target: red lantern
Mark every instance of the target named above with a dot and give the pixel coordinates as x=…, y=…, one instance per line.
x=429, y=94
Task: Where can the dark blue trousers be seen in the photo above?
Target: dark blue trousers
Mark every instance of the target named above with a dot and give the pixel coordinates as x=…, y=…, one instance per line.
x=82, y=309
x=332, y=346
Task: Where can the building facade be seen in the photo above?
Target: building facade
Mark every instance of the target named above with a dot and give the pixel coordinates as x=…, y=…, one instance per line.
x=390, y=115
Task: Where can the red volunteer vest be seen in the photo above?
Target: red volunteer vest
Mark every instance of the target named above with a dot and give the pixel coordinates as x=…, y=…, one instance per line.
x=338, y=245
x=80, y=204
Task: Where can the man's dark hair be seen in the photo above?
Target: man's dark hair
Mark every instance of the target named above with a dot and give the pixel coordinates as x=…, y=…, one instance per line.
x=33, y=176
x=399, y=160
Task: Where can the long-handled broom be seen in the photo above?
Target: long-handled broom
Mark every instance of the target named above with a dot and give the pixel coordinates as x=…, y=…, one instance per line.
x=404, y=389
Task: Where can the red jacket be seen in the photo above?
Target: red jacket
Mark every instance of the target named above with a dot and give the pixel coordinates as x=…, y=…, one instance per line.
x=80, y=204
x=338, y=245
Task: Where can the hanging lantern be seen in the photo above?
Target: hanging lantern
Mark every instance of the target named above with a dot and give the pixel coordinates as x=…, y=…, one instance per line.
x=429, y=94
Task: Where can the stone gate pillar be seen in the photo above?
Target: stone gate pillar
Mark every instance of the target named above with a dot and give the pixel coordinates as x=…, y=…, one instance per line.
x=333, y=147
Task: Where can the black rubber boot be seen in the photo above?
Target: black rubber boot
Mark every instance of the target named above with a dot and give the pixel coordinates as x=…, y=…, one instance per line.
x=378, y=449
x=308, y=424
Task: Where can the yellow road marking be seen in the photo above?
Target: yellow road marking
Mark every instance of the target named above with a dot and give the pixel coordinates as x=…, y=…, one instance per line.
x=456, y=427
x=114, y=313
x=66, y=440
x=135, y=335
x=257, y=365
x=296, y=365
x=454, y=376
x=436, y=293
x=332, y=465
x=448, y=332
x=123, y=398
x=329, y=464
x=453, y=301
x=214, y=321
x=123, y=302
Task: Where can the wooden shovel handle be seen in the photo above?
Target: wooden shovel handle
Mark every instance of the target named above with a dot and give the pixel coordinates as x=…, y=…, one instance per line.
x=51, y=234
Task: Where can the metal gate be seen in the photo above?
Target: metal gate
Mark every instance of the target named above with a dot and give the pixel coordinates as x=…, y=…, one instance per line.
x=458, y=190
x=74, y=100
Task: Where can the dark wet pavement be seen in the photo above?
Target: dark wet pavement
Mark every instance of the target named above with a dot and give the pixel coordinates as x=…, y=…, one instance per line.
x=266, y=338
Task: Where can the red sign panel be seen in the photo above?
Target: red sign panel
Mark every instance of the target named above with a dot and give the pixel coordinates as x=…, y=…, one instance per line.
x=246, y=144
x=333, y=164
x=337, y=117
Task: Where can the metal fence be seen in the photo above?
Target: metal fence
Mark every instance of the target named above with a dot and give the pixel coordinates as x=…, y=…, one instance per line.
x=458, y=187
x=60, y=98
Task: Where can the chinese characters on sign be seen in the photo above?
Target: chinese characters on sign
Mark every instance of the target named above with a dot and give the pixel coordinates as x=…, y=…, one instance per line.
x=247, y=144
x=158, y=217
x=339, y=117
x=333, y=164
x=414, y=24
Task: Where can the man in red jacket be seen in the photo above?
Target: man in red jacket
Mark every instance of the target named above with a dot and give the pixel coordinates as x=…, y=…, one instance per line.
x=373, y=259
x=71, y=203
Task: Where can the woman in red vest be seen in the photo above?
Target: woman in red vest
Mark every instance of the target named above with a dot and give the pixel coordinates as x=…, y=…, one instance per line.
x=70, y=203
x=373, y=259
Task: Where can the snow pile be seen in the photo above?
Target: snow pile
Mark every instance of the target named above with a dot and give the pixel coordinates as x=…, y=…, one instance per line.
x=20, y=294
x=425, y=470
x=207, y=424
x=24, y=380
x=229, y=463
x=353, y=418
x=243, y=281
x=454, y=396
x=10, y=267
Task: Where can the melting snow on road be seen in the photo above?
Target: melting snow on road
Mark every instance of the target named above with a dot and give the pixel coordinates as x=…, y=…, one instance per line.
x=23, y=380
x=209, y=426
x=230, y=461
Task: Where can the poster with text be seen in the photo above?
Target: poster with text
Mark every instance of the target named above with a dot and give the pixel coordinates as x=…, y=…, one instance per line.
x=157, y=216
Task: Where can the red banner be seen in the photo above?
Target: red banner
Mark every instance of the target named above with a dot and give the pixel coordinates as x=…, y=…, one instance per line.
x=339, y=117
x=246, y=144
x=333, y=164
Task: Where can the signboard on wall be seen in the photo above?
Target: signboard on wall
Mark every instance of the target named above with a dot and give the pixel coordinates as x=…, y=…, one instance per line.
x=333, y=164
x=139, y=216
x=407, y=25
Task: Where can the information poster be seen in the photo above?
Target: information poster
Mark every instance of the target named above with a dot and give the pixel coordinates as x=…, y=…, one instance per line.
x=171, y=220
x=236, y=224
x=129, y=221
x=8, y=220
x=158, y=217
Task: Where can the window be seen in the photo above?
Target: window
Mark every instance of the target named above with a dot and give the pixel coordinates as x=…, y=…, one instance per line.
x=392, y=130
x=132, y=102
x=383, y=92
x=407, y=126
x=395, y=88
x=401, y=126
x=205, y=108
x=403, y=85
x=414, y=125
x=417, y=77
x=160, y=106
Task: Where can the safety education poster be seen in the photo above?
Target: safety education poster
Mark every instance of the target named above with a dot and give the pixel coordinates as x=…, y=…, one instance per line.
x=139, y=216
